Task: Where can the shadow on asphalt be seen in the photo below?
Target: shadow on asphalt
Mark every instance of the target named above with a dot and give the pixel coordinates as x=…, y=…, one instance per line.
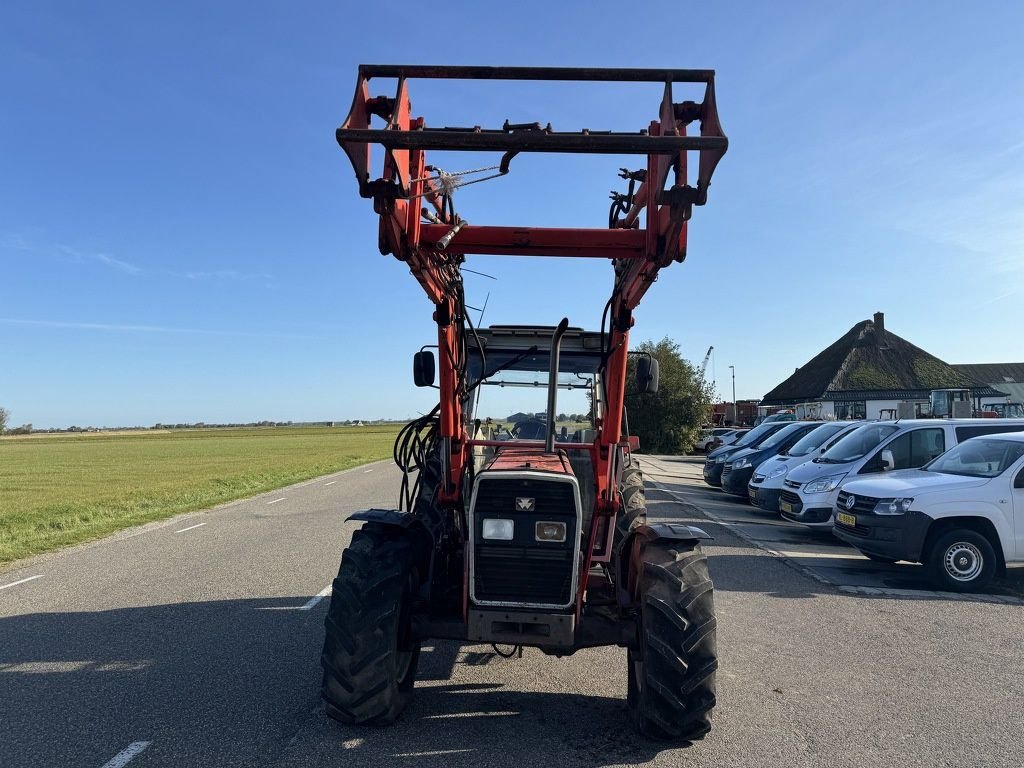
x=476, y=724
x=242, y=677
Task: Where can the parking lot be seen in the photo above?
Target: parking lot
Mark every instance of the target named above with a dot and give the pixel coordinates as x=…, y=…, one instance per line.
x=818, y=554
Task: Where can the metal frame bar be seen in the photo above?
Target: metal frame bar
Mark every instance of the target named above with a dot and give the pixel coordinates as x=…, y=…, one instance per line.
x=651, y=235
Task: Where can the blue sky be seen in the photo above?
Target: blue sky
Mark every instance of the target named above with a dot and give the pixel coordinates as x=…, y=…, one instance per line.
x=181, y=238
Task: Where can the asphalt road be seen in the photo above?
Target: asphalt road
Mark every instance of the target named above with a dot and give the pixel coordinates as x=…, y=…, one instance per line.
x=196, y=642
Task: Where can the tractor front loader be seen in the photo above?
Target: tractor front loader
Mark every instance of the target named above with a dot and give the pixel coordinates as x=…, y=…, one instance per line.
x=526, y=537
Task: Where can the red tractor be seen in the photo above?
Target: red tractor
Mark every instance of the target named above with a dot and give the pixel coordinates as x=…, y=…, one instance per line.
x=526, y=537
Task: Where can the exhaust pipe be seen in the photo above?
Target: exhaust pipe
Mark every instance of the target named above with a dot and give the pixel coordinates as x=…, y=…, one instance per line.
x=556, y=343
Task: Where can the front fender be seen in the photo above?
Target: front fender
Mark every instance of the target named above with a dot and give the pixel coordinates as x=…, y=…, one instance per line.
x=1000, y=515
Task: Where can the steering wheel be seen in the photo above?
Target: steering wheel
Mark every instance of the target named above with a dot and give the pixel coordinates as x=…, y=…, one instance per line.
x=530, y=429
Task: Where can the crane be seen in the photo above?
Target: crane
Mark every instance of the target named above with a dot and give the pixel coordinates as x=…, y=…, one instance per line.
x=704, y=365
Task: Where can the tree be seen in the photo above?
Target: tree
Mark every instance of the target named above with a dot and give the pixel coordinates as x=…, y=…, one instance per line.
x=669, y=421
x=5, y=415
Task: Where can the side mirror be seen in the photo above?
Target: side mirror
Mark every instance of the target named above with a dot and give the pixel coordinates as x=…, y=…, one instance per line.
x=647, y=375
x=888, y=461
x=423, y=368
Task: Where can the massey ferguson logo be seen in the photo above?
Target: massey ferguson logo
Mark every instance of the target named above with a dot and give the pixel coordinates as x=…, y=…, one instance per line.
x=851, y=502
x=525, y=504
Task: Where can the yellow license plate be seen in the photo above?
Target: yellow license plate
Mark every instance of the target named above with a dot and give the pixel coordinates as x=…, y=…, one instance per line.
x=785, y=506
x=845, y=519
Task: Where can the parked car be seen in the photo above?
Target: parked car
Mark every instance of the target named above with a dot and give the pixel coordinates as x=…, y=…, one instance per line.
x=739, y=467
x=765, y=484
x=715, y=462
x=809, y=491
x=719, y=435
x=962, y=515
x=730, y=439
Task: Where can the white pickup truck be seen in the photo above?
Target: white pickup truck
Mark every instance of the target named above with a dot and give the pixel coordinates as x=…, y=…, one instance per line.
x=962, y=515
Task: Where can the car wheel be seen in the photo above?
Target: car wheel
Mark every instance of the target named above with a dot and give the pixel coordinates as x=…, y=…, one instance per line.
x=962, y=560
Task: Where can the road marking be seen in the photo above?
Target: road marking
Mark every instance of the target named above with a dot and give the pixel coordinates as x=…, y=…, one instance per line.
x=126, y=755
x=367, y=471
x=823, y=555
x=316, y=598
x=21, y=581
x=277, y=500
x=191, y=527
x=331, y=483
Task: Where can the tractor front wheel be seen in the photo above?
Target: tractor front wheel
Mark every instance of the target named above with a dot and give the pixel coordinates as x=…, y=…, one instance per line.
x=672, y=669
x=369, y=656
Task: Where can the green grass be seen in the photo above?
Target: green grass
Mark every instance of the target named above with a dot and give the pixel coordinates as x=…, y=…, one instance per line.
x=58, y=490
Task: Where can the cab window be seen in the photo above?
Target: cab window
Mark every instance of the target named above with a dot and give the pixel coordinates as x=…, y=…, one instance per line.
x=917, y=447
x=911, y=450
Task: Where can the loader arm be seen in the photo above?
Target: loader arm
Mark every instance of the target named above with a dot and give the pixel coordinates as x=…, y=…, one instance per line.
x=419, y=226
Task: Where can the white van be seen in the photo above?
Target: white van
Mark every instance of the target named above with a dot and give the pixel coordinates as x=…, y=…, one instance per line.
x=809, y=491
x=765, y=485
x=962, y=515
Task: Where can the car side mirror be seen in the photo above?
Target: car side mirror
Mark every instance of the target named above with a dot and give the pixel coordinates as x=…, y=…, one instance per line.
x=647, y=375
x=888, y=461
x=423, y=368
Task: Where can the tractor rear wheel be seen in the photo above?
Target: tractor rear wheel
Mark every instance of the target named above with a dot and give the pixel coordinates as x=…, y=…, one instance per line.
x=633, y=511
x=672, y=670
x=369, y=656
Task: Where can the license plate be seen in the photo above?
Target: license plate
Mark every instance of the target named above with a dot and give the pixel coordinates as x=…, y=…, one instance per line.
x=785, y=506
x=752, y=493
x=845, y=519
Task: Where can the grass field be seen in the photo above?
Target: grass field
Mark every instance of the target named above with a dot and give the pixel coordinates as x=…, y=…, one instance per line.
x=57, y=490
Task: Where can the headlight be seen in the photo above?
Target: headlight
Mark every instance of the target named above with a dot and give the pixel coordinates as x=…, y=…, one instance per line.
x=893, y=506
x=824, y=484
x=500, y=530
x=721, y=459
x=741, y=464
x=777, y=472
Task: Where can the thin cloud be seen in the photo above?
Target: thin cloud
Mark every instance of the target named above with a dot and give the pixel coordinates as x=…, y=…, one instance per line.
x=18, y=242
x=122, y=266
x=127, y=328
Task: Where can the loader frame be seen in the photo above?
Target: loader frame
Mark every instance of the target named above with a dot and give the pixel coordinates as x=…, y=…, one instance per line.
x=419, y=226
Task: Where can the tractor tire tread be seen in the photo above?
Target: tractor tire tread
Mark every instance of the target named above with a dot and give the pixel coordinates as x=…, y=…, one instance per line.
x=358, y=681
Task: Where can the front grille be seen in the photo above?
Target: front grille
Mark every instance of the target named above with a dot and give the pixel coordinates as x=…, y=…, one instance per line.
x=790, y=497
x=791, y=484
x=863, y=505
x=726, y=471
x=523, y=575
x=524, y=570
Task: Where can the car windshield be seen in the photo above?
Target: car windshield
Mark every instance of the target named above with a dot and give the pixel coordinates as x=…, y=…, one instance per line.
x=774, y=441
x=758, y=433
x=815, y=439
x=857, y=444
x=978, y=457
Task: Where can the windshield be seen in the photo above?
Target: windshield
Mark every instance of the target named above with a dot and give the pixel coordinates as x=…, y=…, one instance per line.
x=978, y=457
x=784, y=434
x=754, y=436
x=857, y=444
x=815, y=439
x=511, y=402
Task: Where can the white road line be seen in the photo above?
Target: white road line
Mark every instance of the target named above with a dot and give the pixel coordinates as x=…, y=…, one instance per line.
x=331, y=483
x=126, y=755
x=316, y=599
x=191, y=527
x=277, y=500
x=823, y=555
x=368, y=471
x=21, y=581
